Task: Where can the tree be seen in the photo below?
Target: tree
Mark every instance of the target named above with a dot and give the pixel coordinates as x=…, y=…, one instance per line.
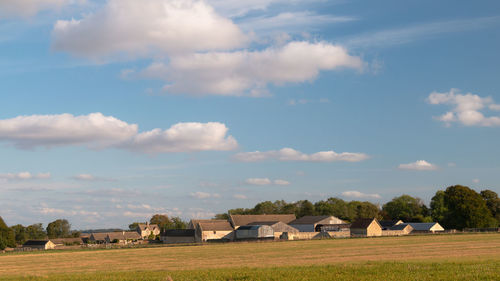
x=19, y=233
x=305, y=208
x=466, y=209
x=178, y=223
x=59, y=229
x=36, y=231
x=493, y=203
x=133, y=226
x=406, y=208
x=438, y=207
x=357, y=209
x=7, y=237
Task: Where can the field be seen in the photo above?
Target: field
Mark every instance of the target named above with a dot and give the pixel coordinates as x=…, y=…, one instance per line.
x=439, y=257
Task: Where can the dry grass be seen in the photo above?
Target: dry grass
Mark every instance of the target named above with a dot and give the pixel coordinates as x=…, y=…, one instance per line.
x=469, y=248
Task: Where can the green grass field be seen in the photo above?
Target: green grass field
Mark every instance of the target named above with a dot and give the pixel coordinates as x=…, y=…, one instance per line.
x=440, y=257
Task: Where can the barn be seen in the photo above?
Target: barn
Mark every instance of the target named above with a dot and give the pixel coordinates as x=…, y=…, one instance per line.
x=212, y=230
x=39, y=244
x=255, y=232
x=239, y=220
x=173, y=236
x=278, y=227
x=425, y=227
x=366, y=227
x=310, y=223
x=387, y=224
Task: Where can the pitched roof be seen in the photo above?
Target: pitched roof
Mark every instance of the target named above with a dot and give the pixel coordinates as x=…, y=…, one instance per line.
x=101, y=236
x=66, y=240
x=401, y=226
x=131, y=235
x=424, y=226
x=35, y=242
x=312, y=219
x=239, y=220
x=277, y=226
x=144, y=226
x=363, y=223
x=390, y=223
x=212, y=225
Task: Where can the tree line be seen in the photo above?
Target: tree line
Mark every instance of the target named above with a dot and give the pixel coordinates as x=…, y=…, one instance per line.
x=456, y=207
x=18, y=234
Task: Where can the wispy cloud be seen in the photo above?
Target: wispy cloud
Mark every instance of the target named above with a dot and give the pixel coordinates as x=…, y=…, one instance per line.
x=266, y=181
x=420, y=165
x=289, y=154
x=357, y=194
x=411, y=33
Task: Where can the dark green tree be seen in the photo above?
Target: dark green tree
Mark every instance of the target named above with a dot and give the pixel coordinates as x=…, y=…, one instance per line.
x=59, y=229
x=438, y=207
x=36, y=231
x=133, y=226
x=406, y=208
x=19, y=233
x=493, y=203
x=304, y=208
x=466, y=209
x=7, y=236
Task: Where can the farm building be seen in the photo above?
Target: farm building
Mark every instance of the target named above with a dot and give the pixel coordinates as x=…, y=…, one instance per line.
x=39, y=244
x=67, y=241
x=255, y=232
x=145, y=229
x=398, y=230
x=278, y=227
x=239, y=220
x=425, y=227
x=210, y=230
x=123, y=237
x=309, y=223
x=341, y=227
x=173, y=236
x=98, y=238
x=366, y=227
x=387, y=224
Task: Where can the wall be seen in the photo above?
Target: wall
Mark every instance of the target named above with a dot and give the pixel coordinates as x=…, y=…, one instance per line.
x=176, y=239
x=393, y=233
x=218, y=235
x=374, y=230
x=314, y=235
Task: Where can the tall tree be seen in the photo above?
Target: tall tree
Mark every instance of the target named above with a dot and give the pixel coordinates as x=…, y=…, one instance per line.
x=36, y=231
x=438, y=207
x=7, y=237
x=19, y=233
x=59, y=229
x=466, y=208
x=406, y=208
x=493, y=203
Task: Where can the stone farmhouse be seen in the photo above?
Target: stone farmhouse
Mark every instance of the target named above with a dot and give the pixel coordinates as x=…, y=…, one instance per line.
x=145, y=230
x=366, y=227
x=210, y=230
x=39, y=245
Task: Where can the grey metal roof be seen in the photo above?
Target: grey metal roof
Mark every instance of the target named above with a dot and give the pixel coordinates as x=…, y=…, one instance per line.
x=421, y=226
x=36, y=243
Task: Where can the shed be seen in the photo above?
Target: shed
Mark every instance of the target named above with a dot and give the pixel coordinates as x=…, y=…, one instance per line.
x=212, y=230
x=425, y=227
x=278, y=227
x=39, y=244
x=309, y=223
x=387, y=224
x=173, y=236
x=341, y=227
x=366, y=227
x=239, y=220
x=254, y=232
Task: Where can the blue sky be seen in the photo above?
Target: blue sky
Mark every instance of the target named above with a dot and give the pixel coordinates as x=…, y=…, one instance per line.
x=114, y=110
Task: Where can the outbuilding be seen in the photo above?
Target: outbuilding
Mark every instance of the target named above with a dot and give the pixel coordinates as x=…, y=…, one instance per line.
x=173, y=236
x=310, y=223
x=39, y=244
x=255, y=232
x=425, y=227
x=366, y=227
x=212, y=230
x=239, y=220
x=278, y=227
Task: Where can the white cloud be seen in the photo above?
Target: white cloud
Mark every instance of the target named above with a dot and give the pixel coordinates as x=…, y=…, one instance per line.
x=357, y=194
x=291, y=21
x=293, y=102
x=281, y=182
x=258, y=181
x=476, y=180
x=420, y=165
x=28, y=8
x=266, y=181
x=289, y=154
x=204, y=195
x=249, y=72
x=240, y=196
x=24, y=176
x=408, y=34
x=184, y=137
x=238, y=8
x=467, y=108
x=84, y=177
x=147, y=27
x=98, y=131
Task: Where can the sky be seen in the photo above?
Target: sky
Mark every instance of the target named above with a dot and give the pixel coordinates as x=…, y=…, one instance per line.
x=112, y=111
